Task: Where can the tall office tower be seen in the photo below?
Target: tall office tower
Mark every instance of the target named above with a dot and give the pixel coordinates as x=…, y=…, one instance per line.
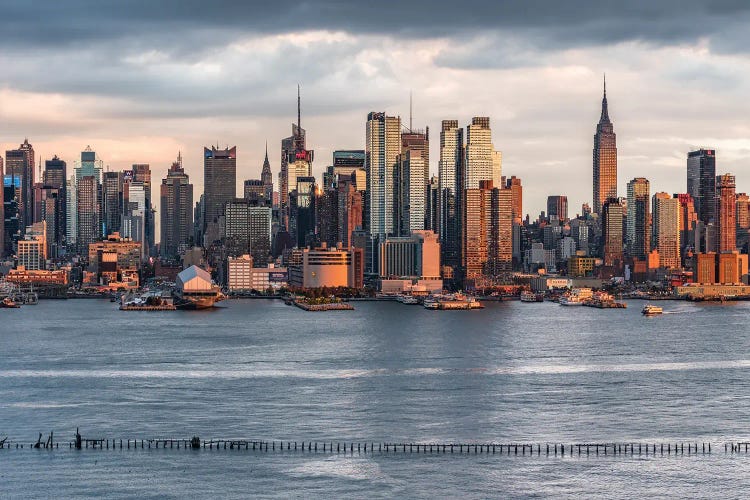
x=500, y=258
x=11, y=216
x=557, y=206
x=49, y=210
x=516, y=189
x=488, y=233
x=477, y=213
x=2, y=208
x=55, y=177
x=71, y=202
x=112, y=202
x=605, y=158
x=176, y=197
x=383, y=146
x=414, y=199
x=327, y=215
x=89, y=165
x=726, y=208
x=296, y=161
x=701, y=183
x=743, y=211
x=347, y=162
x=349, y=216
x=88, y=208
x=638, y=234
x=254, y=190
x=451, y=182
x=267, y=178
x=612, y=215
x=247, y=230
x=302, y=211
x=432, y=215
x=219, y=182
x=19, y=163
x=142, y=173
x=134, y=213
x=411, y=198
x=481, y=161
x=666, y=229
x=688, y=220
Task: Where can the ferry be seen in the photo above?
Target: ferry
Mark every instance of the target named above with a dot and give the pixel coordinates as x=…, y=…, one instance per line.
x=531, y=297
x=649, y=310
x=430, y=303
x=407, y=299
x=571, y=300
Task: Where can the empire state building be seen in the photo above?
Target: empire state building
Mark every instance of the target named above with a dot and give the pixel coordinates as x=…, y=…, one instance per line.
x=605, y=158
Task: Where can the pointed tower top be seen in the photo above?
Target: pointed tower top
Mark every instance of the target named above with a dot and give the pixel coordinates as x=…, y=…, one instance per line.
x=604, y=118
x=179, y=158
x=299, y=112
x=266, y=151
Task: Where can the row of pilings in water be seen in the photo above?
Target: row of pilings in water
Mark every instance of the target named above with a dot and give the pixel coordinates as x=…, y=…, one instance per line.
x=349, y=447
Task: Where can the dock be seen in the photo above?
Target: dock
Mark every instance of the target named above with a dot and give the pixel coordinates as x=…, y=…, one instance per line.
x=515, y=449
x=333, y=306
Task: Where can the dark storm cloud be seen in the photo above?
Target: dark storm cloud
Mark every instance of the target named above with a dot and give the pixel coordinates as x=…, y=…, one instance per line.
x=52, y=23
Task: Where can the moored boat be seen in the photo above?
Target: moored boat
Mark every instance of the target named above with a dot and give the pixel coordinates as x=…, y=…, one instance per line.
x=531, y=297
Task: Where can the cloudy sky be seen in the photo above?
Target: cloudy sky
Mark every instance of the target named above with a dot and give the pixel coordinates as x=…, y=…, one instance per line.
x=139, y=81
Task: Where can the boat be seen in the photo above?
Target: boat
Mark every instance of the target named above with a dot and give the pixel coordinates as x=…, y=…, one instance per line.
x=8, y=303
x=407, y=299
x=650, y=310
x=430, y=303
x=531, y=297
x=571, y=300
x=457, y=301
x=195, y=290
x=30, y=298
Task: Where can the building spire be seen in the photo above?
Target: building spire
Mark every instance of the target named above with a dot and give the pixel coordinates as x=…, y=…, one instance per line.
x=266, y=160
x=605, y=111
x=299, y=112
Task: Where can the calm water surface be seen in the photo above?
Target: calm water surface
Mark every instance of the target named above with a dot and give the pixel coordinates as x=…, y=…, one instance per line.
x=258, y=369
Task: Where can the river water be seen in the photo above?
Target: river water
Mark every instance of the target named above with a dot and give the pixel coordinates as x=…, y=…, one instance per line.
x=386, y=372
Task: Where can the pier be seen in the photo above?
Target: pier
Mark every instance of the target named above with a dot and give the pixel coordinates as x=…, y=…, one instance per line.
x=559, y=450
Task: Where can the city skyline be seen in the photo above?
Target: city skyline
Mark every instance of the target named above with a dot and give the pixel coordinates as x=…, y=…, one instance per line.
x=540, y=87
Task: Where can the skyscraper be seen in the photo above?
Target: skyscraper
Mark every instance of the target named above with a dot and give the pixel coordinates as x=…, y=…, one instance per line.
x=482, y=164
x=142, y=173
x=112, y=202
x=176, y=197
x=382, y=148
x=701, y=183
x=19, y=163
x=557, y=206
x=88, y=208
x=488, y=233
x=219, y=181
x=55, y=177
x=267, y=178
x=666, y=229
x=2, y=208
x=688, y=220
x=296, y=161
x=451, y=185
x=411, y=189
x=612, y=214
x=605, y=158
x=638, y=235
x=726, y=207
